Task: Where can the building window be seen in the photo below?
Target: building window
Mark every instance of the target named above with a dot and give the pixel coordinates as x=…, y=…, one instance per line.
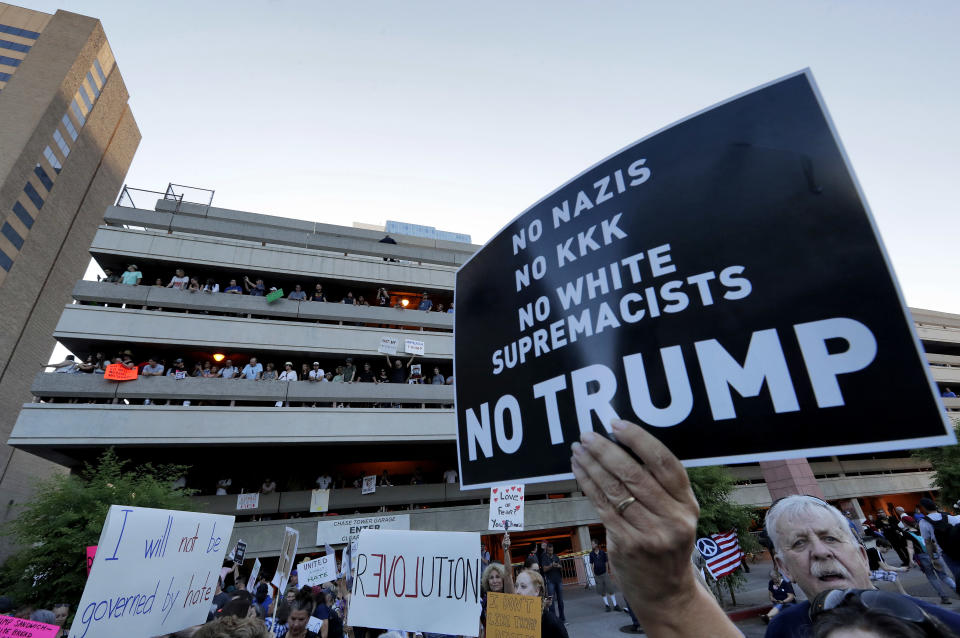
x=5, y=262
x=33, y=194
x=52, y=158
x=99, y=69
x=5, y=76
x=23, y=214
x=70, y=127
x=62, y=143
x=93, y=86
x=14, y=46
x=23, y=33
x=82, y=92
x=44, y=179
x=9, y=61
x=12, y=235
x=77, y=112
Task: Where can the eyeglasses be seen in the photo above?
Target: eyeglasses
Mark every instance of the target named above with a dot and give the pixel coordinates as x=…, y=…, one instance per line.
x=875, y=600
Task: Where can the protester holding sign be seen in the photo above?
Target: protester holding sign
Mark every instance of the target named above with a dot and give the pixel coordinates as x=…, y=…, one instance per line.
x=530, y=583
x=650, y=514
x=498, y=578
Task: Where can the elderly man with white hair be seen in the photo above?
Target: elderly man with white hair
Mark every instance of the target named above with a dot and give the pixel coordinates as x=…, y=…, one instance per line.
x=815, y=547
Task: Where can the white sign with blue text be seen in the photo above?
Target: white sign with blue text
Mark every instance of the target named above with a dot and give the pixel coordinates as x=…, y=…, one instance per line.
x=156, y=572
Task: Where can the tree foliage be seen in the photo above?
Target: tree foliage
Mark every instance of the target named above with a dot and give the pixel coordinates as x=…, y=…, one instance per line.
x=67, y=514
x=946, y=468
x=712, y=487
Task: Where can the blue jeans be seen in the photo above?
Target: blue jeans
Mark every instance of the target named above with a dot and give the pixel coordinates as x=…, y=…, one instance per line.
x=926, y=566
x=556, y=591
x=953, y=566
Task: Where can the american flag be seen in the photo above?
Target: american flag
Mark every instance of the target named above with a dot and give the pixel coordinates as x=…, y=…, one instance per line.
x=728, y=558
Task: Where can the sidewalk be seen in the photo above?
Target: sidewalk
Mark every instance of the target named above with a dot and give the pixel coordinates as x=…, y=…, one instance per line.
x=587, y=618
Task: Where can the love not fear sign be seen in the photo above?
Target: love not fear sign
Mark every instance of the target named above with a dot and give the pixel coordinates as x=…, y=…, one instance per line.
x=506, y=507
x=720, y=282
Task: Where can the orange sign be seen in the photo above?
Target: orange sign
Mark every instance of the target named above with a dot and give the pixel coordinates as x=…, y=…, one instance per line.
x=513, y=616
x=119, y=372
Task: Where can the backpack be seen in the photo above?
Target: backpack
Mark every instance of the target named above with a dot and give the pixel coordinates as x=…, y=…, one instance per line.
x=947, y=535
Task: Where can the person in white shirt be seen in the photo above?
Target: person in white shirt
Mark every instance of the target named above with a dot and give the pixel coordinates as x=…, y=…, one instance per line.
x=288, y=374
x=222, y=486
x=316, y=374
x=252, y=370
x=450, y=476
x=324, y=481
x=179, y=281
x=228, y=371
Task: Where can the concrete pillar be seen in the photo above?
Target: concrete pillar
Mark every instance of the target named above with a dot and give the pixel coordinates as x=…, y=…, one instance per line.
x=582, y=541
x=792, y=476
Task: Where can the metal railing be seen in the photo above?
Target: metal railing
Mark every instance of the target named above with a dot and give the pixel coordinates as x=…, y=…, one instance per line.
x=146, y=199
x=180, y=191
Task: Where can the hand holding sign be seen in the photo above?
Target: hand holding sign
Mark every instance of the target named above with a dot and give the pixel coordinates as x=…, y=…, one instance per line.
x=651, y=515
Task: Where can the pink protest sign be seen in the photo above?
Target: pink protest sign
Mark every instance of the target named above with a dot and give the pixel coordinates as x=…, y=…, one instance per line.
x=10, y=626
x=91, y=554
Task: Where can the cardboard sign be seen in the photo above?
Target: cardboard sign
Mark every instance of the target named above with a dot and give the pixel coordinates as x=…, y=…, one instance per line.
x=248, y=501
x=341, y=531
x=238, y=553
x=716, y=282
x=319, y=500
x=179, y=374
x=513, y=616
x=254, y=573
x=412, y=346
x=369, y=484
x=314, y=624
x=10, y=626
x=273, y=296
x=288, y=553
x=417, y=581
x=91, y=553
x=388, y=345
x=157, y=573
x=506, y=507
x=317, y=571
x=119, y=372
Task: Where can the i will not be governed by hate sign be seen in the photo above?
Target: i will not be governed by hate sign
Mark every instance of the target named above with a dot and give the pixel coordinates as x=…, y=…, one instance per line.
x=715, y=281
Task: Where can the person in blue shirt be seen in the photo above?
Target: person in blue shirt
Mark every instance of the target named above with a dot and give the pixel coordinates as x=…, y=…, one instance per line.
x=254, y=289
x=298, y=294
x=948, y=394
x=425, y=303
x=233, y=288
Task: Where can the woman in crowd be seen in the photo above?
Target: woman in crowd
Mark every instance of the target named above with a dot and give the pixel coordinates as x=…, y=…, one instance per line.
x=498, y=578
x=383, y=299
x=211, y=286
x=283, y=615
x=194, y=285
x=197, y=370
x=305, y=371
x=530, y=583
x=300, y=611
x=269, y=374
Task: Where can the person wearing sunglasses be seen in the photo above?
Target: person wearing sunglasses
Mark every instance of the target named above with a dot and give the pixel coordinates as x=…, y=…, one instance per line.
x=870, y=612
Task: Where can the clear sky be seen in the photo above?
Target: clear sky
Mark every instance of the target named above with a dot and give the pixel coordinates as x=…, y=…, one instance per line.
x=460, y=115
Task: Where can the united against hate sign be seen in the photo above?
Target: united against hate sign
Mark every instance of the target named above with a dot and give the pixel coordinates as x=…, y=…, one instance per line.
x=155, y=573
x=720, y=282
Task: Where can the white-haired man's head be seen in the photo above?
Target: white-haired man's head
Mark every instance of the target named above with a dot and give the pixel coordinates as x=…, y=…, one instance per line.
x=815, y=547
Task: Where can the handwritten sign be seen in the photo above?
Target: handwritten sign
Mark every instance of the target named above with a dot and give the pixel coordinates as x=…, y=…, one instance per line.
x=506, y=507
x=413, y=346
x=119, y=372
x=156, y=575
x=388, y=345
x=288, y=553
x=314, y=624
x=513, y=616
x=369, y=484
x=91, y=552
x=319, y=500
x=317, y=571
x=341, y=531
x=248, y=501
x=254, y=573
x=10, y=626
x=417, y=581
x=273, y=296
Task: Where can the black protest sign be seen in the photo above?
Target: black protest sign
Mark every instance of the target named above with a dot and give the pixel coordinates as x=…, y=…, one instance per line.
x=720, y=282
x=239, y=552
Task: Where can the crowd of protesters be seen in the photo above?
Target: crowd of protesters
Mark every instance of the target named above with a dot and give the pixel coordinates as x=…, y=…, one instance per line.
x=256, y=287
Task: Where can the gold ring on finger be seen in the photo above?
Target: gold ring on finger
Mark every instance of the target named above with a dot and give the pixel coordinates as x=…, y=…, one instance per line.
x=625, y=503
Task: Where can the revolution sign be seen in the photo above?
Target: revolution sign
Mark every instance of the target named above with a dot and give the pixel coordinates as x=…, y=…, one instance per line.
x=720, y=282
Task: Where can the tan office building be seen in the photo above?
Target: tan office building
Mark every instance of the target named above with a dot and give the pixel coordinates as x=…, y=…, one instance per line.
x=67, y=137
